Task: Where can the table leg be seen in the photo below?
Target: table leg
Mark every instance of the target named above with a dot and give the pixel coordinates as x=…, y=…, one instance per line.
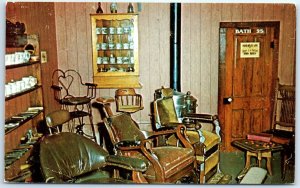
x=259, y=159
x=269, y=166
x=248, y=159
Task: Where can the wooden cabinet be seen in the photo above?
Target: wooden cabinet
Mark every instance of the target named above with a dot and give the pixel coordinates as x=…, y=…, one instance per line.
x=115, y=50
x=23, y=107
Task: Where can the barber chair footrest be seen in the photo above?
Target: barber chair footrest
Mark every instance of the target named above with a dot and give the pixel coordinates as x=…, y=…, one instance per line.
x=215, y=178
x=220, y=178
x=255, y=175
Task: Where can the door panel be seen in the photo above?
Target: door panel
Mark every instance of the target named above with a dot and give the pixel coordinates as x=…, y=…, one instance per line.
x=237, y=123
x=247, y=67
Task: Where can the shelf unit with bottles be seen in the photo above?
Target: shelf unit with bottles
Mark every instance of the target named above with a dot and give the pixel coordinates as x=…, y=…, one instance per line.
x=115, y=50
x=23, y=106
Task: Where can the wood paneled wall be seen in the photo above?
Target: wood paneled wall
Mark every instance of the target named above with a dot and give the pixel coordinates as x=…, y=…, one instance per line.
x=71, y=46
x=39, y=18
x=200, y=44
x=73, y=28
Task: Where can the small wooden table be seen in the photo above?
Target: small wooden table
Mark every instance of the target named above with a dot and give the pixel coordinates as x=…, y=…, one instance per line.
x=259, y=150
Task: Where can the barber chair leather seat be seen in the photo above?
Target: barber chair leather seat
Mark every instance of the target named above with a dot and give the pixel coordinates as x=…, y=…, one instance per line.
x=167, y=164
x=71, y=158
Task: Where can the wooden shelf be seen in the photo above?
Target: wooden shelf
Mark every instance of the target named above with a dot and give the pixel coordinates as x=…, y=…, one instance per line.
x=21, y=64
x=23, y=122
x=22, y=125
x=115, y=50
x=13, y=170
x=23, y=92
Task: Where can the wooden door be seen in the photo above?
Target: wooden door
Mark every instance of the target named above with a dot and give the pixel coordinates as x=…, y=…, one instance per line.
x=248, y=70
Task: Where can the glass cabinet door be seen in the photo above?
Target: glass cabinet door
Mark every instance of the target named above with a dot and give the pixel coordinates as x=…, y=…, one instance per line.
x=115, y=50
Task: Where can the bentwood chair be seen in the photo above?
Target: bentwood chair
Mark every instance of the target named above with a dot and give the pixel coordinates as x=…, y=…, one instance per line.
x=72, y=158
x=75, y=96
x=127, y=100
x=206, y=143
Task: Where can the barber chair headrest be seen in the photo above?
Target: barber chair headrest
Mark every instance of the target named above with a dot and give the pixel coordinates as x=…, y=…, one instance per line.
x=164, y=93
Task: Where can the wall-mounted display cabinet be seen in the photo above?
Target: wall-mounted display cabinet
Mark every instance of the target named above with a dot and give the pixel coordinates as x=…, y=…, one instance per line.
x=115, y=50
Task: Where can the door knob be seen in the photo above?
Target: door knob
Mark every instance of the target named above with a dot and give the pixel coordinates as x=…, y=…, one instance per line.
x=227, y=100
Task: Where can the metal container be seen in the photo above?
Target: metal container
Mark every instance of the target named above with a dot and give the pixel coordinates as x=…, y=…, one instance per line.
x=191, y=103
x=184, y=103
x=179, y=103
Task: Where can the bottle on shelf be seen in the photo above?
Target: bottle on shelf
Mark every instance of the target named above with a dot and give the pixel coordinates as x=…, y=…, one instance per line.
x=113, y=8
x=112, y=59
x=130, y=8
x=99, y=9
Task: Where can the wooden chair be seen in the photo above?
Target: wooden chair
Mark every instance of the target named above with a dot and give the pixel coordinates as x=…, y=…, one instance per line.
x=56, y=119
x=127, y=100
x=283, y=123
x=284, y=108
x=167, y=164
x=206, y=143
x=75, y=96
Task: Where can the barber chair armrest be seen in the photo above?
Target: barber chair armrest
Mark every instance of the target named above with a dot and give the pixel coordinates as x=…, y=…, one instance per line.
x=128, y=163
x=151, y=134
x=91, y=90
x=57, y=92
x=180, y=131
x=201, y=117
x=171, y=125
x=90, y=84
x=204, y=118
x=56, y=87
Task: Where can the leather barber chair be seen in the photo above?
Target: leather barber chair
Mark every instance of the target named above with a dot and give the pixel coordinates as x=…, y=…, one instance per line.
x=72, y=158
x=167, y=164
x=206, y=142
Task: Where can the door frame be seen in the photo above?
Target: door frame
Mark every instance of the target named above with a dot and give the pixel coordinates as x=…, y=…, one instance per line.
x=222, y=67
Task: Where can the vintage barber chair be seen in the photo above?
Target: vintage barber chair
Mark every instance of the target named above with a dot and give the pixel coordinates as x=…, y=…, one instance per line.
x=205, y=142
x=167, y=164
x=75, y=96
x=127, y=100
x=56, y=119
x=83, y=162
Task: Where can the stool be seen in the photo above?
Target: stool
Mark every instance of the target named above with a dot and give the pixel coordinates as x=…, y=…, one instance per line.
x=259, y=155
